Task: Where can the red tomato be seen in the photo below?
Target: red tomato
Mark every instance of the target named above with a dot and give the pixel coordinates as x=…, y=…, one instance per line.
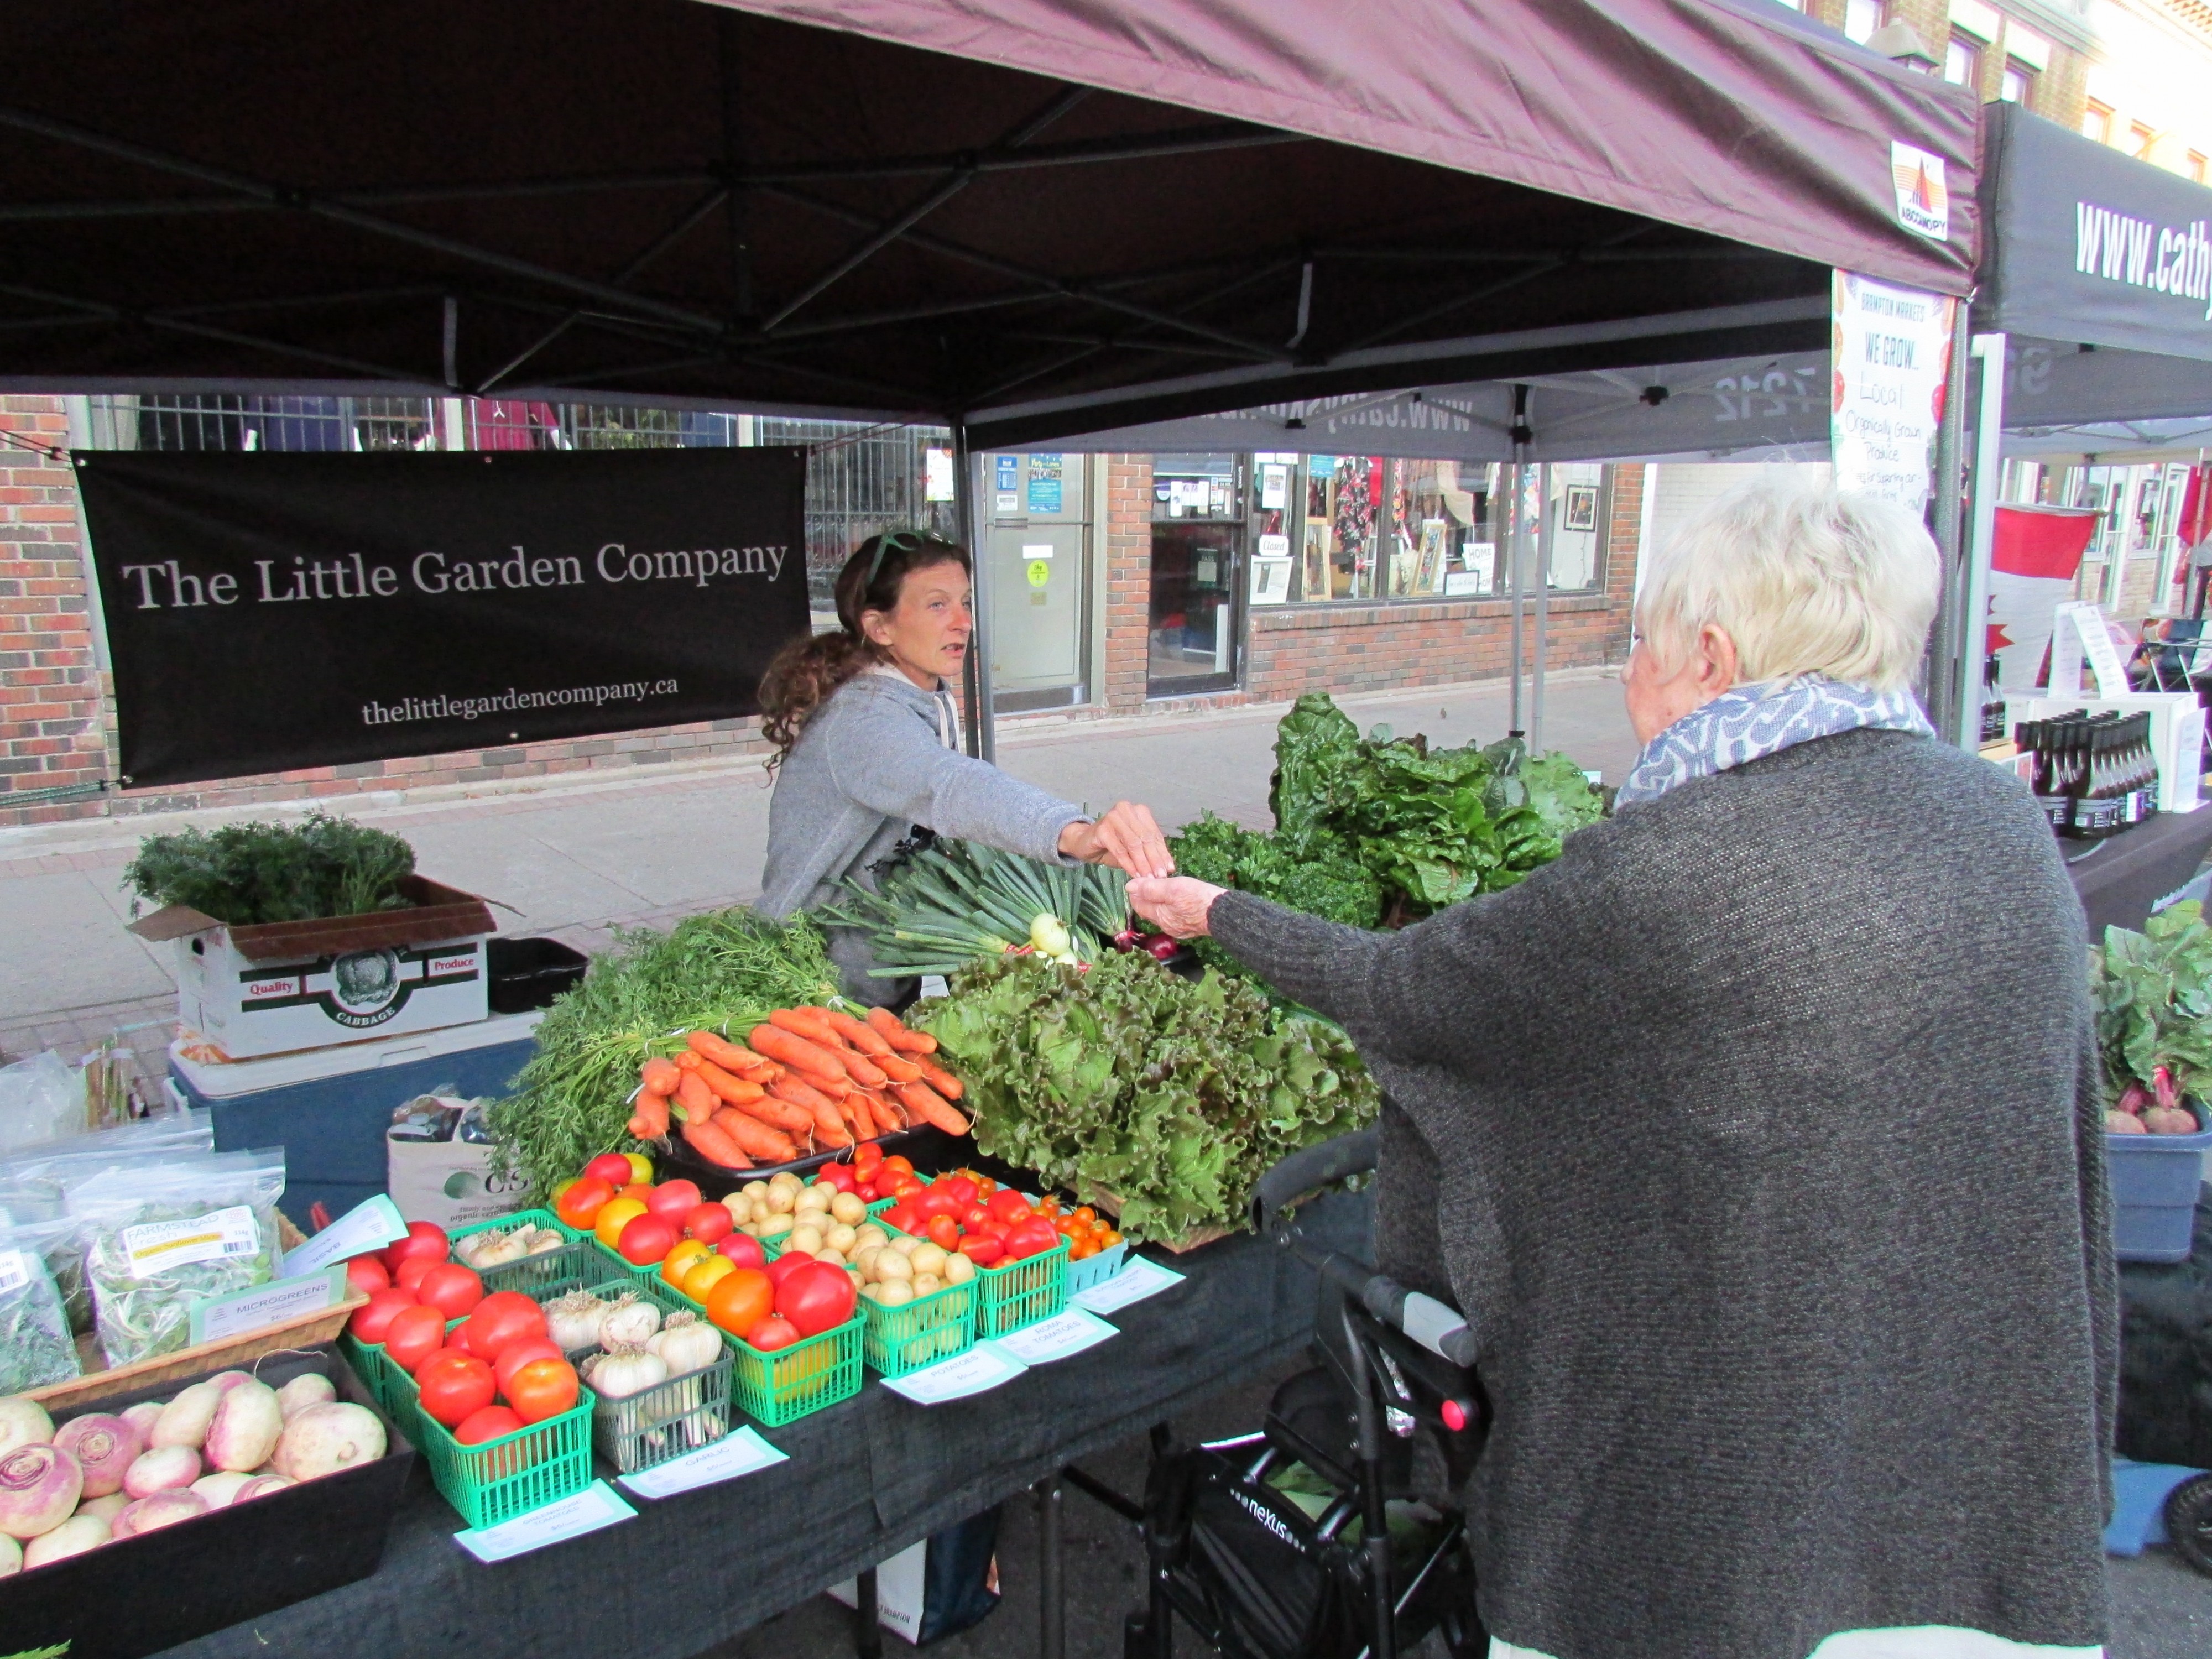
x=411, y=1269
x=369, y=1324
x=489, y=1423
x=452, y=1289
x=455, y=1386
x=743, y=1249
x=1009, y=1205
x=961, y=1186
x=902, y=1186
x=368, y=1274
x=898, y=1164
x=708, y=1223
x=640, y=1190
x=901, y=1216
x=671, y=1200
x=457, y=1338
x=867, y=1158
x=414, y=1335
x=866, y=1189
x=773, y=1334
x=785, y=1264
x=741, y=1301
x=1031, y=1237
x=932, y=1201
x=981, y=1249
x=839, y=1175
x=543, y=1388
x=423, y=1238
x=975, y=1219
x=517, y=1354
x=943, y=1232
x=580, y=1201
x=503, y=1317
x=816, y=1299
x=611, y=1168
x=647, y=1238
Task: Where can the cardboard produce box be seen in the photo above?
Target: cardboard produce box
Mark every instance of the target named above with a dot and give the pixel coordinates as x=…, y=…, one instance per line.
x=274, y=987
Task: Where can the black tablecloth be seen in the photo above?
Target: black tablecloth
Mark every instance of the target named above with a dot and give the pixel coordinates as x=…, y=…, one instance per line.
x=866, y=1479
x=2120, y=878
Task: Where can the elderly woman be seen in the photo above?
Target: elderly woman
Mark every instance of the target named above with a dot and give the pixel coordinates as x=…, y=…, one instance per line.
x=1758, y=1138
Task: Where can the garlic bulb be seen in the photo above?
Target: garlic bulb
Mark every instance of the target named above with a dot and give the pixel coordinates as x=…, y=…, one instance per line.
x=624, y=1369
x=685, y=1343
x=630, y=1318
x=576, y=1321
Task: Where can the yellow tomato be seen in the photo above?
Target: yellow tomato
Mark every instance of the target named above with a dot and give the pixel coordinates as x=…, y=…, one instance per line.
x=679, y=1260
x=703, y=1276
x=641, y=1167
x=616, y=1214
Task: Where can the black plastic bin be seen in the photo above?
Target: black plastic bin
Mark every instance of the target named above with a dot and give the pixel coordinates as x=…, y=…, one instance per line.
x=529, y=973
x=138, y=1595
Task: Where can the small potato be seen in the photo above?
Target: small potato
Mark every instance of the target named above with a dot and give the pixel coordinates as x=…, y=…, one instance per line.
x=927, y=1285
x=740, y=1207
x=891, y=1266
x=850, y=1208
x=756, y=1190
x=835, y=1258
x=785, y=1180
x=958, y=1268
x=829, y=1190
x=780, y=1200
x=928, y=1259
x=894, y=1293
x=774, y=1226
x=873, y=1292
x=750, y=1227
x=841, y=1238
x=864, y=1260
x=871, y=1233
x=906, y=1244
x=807, y=1200
x=805, y=1237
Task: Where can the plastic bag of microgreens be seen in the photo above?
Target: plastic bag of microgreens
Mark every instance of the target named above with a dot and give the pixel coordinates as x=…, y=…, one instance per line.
x=36, y=1347
x=159, y=1238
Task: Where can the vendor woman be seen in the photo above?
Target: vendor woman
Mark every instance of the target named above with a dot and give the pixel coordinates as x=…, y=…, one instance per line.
x=868, y=751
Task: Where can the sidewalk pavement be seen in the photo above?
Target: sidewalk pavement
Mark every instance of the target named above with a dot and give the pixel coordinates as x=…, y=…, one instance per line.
x=577, y=857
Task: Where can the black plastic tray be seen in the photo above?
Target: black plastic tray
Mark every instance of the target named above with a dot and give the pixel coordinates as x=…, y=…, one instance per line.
x=138, y=1595
x=529, y=973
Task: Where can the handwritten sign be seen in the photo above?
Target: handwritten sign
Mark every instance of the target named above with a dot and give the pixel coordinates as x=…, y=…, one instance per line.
x=1139, y=1279
x=977, y=1371
x=594, y=1507
x=216, y=1318
x=733, y=1454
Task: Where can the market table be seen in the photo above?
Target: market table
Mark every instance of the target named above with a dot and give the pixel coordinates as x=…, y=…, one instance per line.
x=2121, y=878
x=865, y=1480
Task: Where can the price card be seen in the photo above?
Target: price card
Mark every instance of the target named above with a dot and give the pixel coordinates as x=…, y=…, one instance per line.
x=256, y=1309
x=1066, y=1333
x=1140, y=1277
x=981, y=1369
x=732, y=1456
x=594, y=1507
x=369, y=1225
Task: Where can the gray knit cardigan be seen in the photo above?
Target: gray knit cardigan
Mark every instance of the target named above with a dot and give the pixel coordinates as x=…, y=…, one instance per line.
x=1759, y=1139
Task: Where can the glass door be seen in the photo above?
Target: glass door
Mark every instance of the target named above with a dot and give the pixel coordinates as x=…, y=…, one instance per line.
x=1198, y=559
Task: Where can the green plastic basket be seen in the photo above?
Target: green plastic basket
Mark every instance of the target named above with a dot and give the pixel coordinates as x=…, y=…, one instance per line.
x=375, y=1371
x=510, y=1476
x=775, y=1388
x=534, y=1274
x=1095, y=1270
x=1022, y=1292
x=905, y=1339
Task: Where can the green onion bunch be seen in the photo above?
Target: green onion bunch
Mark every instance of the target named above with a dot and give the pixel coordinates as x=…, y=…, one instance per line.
x=941, y=907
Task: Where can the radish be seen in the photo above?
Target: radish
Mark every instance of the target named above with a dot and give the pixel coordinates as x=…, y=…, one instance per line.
x=184, y=1421
x=104, y=1446
x=2170, y=1121
x=75, y=1535
x=324, y=1439
x=38, y=1488
x=163, y=1509
x=165, y=1468
x=245, y=1427
x=23, y=1423
x=2117, y=1122
x=308, y=1388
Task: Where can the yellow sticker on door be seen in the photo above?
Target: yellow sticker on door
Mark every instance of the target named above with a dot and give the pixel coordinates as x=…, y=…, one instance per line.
x=1040, y=572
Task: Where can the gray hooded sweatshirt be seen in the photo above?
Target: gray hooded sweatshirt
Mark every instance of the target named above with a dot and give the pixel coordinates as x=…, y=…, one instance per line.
x=878, y=760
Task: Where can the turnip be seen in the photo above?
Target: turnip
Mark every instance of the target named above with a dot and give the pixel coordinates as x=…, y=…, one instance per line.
x=143, y=1417
x=165, y=1468
x=107, y=1508
x=308, y=1388
x=80, y=1533
x=244, y=1430
x=38, y=1488
x=227, y=1381
x=104, y=1446
x=324, y=1439
x=184, y=1421
x=260, y=1486
x=220, y=1488
x=23, y=1423
x=163, y=1509
x=11, y=1556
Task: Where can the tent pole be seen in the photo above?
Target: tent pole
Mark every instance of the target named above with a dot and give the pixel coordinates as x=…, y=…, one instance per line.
x=1514, y=538
x=1543, y=604
x=1941, y=693
x=1989, y=465
x=976, y=677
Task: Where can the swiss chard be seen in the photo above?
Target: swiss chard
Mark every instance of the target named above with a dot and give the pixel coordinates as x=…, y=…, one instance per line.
x=2154, y=996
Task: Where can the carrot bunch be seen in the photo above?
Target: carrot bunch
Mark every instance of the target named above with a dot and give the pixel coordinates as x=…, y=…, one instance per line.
x=804, y=1078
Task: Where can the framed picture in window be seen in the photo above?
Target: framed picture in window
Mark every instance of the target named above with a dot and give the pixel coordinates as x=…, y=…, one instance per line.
x=1581, y=508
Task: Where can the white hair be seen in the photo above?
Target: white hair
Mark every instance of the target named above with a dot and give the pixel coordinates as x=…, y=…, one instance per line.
x=1804, y=581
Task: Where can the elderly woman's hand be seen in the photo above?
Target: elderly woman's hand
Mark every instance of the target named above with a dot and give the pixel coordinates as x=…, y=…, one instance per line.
x=1128, y=836
x=1176, y=905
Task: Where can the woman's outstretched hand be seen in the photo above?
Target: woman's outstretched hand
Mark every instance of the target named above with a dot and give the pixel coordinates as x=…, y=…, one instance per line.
x=1126, y=838
x=1176, y=905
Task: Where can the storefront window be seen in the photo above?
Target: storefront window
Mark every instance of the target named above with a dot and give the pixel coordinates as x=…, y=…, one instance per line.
x=1197, y=555
x=1575, y=520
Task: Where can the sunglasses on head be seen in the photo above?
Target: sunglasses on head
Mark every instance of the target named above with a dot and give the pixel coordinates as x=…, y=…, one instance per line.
x=903, y=541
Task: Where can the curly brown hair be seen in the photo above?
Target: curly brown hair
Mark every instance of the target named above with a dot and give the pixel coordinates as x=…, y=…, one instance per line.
x=805, y=672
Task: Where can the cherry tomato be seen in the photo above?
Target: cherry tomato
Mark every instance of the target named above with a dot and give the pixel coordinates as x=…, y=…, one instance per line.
x=962, y=1188
x=411, y=1269
x=839, y=1175
x=489, y=1423
x=646, y=1239
x=543, y=1388
x=580, y=1202
x=741, y=1301
x=773, y=1334
x=1009, y=1207
x=1086, y=1215
x=672, y=1201
x=943, y=1232
x=452, y=1289
x=503, y=1317
x=369, y=1324
x=743, y=1249
x=611, y=1168
x=816, y=1299
x=898, y=1164
x=518, y=1354
x=981, y=1249
x=1068, y=1227
x=423, y=1238
x=414, y=1335
x=367, y=1274
x=455, y=1386
x=1083, y=1248
x=1048, y=1205
x=1109, y=1239
x=708, y=1223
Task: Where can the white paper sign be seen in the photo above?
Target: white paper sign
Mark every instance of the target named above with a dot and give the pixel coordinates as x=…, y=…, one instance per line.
x=980, y=1369
x=1892, y=350
x=1138, y=1279
x=733, y=1454
x=1037, y=549
x=215, y=1318
x=594, y=1507
x=2078, y=630
x=1068, y=1332
x=160, y=1247
x=369, y=1225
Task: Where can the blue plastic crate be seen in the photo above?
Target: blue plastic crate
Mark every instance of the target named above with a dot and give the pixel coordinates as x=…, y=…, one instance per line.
x=2155, y=1185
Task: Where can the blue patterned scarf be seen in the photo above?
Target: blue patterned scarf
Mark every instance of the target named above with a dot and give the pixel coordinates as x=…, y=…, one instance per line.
x=1752, y=721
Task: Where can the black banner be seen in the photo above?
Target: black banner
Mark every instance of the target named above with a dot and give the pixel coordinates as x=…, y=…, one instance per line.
x=270, y=611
